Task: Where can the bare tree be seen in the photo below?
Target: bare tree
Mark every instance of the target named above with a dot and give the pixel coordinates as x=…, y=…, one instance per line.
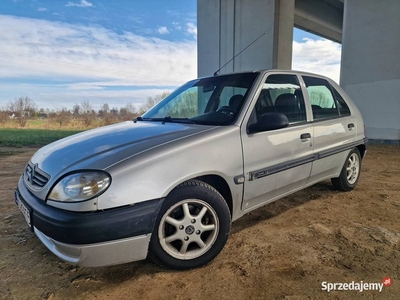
x=130, y=108
x=61, y=116
x=107, y=115
x=128, y=112
x=75, y=111
x=151, y=101
x=42, y=113
x=4, y=117
x=23, y=108
x=105, y=108
x=87, y=113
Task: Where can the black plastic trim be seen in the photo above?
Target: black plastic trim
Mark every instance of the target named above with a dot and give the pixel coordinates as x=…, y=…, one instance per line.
x=280, y=167
x=304, y=160
x=90, y=227
x=339, y=149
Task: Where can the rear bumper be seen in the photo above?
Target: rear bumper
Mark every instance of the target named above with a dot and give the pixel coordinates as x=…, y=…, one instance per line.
x=96, y=238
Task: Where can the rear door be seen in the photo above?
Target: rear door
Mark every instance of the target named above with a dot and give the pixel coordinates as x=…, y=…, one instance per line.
x=333, y=128
x=277, y=162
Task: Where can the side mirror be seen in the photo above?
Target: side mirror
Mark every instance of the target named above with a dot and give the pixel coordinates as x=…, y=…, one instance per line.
x=269, y=121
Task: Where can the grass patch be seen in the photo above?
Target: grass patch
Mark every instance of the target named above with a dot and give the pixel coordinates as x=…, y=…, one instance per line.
x=9, y=153
x=10, y=137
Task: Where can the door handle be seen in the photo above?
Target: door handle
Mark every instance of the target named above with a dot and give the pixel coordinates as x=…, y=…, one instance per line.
x=305, y=136
x=350, y=126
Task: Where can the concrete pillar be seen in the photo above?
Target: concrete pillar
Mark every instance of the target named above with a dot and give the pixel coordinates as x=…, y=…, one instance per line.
x=370, y=67
x=225, y=27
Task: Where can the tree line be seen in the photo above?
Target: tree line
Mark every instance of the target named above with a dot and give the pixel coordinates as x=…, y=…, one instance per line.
x=24, y=108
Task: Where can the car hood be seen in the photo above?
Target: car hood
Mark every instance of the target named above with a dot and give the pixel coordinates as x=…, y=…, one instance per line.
x=102, y=147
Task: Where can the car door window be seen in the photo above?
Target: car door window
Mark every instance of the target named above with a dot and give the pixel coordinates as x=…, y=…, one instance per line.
x=281, y=93
x=322, y=100
x=343, y=108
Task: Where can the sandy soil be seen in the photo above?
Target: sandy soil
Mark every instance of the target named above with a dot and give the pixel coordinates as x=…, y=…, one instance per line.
x=284, y=250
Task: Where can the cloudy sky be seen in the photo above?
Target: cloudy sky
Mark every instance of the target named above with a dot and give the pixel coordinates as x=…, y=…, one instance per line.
x=64, y=52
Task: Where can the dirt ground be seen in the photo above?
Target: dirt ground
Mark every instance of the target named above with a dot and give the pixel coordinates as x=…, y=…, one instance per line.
x=284, y=250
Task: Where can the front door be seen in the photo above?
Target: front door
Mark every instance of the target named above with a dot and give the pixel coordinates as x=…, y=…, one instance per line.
x=277, y=162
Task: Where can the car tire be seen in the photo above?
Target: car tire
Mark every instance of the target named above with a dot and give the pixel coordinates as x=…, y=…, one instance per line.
x=350, y=172
x=192, y=227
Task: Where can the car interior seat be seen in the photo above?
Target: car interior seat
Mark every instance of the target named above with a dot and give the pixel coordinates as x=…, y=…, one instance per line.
x=287, y=104
x=236, y=101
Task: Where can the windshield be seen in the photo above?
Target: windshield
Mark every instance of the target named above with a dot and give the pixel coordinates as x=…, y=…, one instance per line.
x=210, y=101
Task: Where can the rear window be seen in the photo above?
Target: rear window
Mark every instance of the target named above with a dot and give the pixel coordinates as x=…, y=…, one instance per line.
x=326, y=102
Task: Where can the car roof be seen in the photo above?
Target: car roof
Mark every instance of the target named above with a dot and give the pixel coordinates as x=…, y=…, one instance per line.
x=273, y=71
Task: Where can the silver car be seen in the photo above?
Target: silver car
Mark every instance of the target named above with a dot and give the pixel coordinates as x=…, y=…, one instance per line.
x=169, y=184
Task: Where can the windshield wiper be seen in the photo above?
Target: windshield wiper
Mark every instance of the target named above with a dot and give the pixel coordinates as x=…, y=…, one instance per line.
x=169, y=119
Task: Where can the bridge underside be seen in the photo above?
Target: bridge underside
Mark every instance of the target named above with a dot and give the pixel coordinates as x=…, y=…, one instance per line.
x=367, y=29
x=323, y=18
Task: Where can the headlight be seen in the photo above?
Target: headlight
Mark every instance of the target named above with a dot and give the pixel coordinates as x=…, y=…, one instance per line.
x=80, y=186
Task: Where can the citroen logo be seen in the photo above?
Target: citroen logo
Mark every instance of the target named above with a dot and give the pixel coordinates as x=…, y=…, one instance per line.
x=31, y=174
x=189, y=230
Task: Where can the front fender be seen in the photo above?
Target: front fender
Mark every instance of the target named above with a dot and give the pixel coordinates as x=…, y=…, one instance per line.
x=156, y=172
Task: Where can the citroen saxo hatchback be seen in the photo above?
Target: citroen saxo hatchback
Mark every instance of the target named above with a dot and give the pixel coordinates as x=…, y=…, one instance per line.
x=169, y=184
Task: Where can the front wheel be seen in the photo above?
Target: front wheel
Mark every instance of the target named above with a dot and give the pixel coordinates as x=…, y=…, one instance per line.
x=192, y=228
x=350, y=173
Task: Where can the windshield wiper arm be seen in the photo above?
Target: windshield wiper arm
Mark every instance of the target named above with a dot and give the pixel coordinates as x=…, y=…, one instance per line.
x=169, y=119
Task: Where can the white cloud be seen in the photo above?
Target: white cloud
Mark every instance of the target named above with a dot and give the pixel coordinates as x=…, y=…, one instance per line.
x=57, y=95
x=177, y=26
x=317, y=56
x=77, y=62
x=191, y=29
x=162, y=30
x=92, y=59
x=83, y=3
x=42, y=9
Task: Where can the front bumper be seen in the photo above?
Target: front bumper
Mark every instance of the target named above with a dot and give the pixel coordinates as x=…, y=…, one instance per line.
x=100, y=254
x=96, y=238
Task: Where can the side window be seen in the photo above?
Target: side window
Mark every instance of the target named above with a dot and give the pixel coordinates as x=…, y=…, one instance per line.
x=323, y=102
x=281, y=93
x=343, y=108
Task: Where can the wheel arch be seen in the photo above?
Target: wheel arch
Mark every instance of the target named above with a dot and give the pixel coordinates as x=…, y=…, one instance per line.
x=218, y=183
x=362, y=149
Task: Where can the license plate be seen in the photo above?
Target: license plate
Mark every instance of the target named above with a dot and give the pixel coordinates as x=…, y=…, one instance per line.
x=25, y=211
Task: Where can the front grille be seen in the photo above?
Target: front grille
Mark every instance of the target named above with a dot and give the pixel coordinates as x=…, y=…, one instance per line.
x=35, y=177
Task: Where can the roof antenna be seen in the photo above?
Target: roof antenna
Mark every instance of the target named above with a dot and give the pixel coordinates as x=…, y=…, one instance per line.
x=216, y=72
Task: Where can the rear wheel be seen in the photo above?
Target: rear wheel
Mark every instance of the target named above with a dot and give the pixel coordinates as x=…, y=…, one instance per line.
x=350, y=172
x=192, y=228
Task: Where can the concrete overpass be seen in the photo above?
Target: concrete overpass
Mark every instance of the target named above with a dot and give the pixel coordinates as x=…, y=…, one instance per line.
x=369, y=31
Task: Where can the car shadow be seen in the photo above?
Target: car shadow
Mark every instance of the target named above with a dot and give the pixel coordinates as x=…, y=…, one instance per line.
x=282, y=205
x=130, y=271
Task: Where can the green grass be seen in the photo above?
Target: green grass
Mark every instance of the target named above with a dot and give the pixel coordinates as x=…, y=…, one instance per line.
x=10, y=137
x=9, y=153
